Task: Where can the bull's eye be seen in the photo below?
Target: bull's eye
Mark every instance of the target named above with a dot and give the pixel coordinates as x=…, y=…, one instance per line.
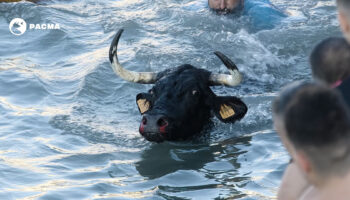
x=194, y=92
x=151, y=91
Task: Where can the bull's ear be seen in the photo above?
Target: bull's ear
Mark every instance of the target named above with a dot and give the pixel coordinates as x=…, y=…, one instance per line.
x=143, y=102
x=229, y=109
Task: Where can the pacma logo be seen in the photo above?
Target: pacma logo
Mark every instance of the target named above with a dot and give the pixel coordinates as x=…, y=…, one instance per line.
x=44, y=26
x=18, y=26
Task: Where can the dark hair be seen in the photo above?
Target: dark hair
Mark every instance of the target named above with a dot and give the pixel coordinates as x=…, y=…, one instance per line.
x=317, y=116
x=330, y=60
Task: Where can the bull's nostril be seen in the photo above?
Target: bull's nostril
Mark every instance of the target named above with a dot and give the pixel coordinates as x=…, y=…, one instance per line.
x=144, y=120
x=162, y=122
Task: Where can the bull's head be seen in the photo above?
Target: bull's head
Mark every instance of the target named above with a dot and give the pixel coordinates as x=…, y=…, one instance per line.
x=181, y=101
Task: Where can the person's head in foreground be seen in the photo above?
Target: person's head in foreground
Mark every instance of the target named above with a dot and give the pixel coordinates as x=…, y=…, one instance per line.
x=330, y=61
x=314, y=125
x=225, y=6
x=344, y=17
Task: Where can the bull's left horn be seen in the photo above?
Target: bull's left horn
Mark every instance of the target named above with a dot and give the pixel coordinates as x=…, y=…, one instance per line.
x=233, y=79
x=136, y=77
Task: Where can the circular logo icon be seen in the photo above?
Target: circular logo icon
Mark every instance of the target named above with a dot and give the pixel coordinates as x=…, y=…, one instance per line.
x=18, y=26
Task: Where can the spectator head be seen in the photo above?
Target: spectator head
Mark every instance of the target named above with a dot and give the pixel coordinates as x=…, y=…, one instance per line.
x=314, y=124
x=330, y=60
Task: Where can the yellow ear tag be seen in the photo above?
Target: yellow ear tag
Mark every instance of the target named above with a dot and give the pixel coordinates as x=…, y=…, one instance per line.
x=226, y=111
x=143, y=105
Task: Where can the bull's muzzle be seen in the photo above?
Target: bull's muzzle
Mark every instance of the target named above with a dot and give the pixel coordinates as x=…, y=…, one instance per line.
x=154, y=127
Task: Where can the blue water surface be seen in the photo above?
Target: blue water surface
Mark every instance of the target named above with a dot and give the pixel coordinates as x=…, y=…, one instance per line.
x=69, y=125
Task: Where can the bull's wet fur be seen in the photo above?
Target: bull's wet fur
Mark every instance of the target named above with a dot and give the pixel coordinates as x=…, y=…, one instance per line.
x=181, y=102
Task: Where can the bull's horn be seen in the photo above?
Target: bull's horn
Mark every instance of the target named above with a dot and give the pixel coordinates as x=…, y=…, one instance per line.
x=136, y=77
x=233, y=79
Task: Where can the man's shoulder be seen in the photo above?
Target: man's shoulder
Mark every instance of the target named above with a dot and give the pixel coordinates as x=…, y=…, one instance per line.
x=248, y=4
x=311, y=193
x=261, y=8
x=293, y=183
x=263, y=14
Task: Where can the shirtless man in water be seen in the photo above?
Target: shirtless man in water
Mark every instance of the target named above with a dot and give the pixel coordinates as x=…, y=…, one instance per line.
x=262, y=14
x=313, y=122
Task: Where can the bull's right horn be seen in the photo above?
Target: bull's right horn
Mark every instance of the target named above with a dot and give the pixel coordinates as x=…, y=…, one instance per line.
x=233, y=79
x=136, y=77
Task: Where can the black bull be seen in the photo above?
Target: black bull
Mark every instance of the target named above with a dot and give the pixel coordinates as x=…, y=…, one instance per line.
x=181, y=101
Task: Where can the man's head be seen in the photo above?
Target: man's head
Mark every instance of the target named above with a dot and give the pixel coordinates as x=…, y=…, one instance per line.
x=315, y=124
x=330, y=60
x=344, y=17
x=224, y=6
